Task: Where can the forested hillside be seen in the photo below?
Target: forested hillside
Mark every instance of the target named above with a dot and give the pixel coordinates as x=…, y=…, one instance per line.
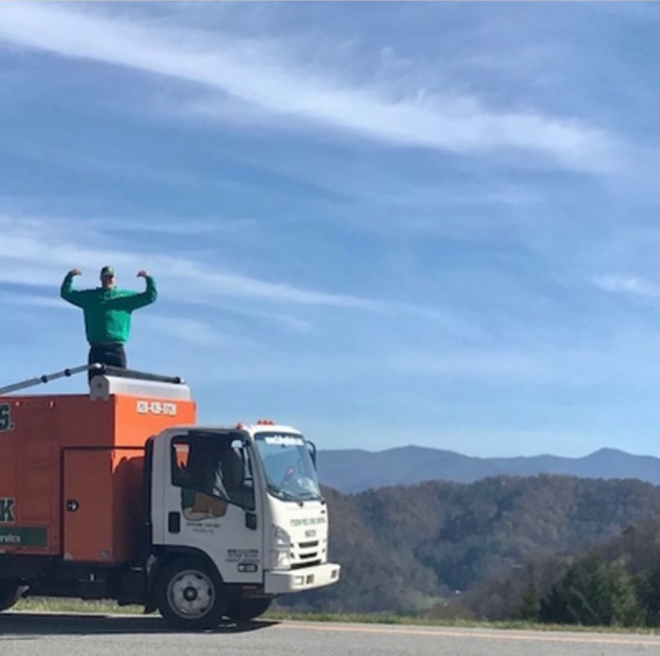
x=408, y=549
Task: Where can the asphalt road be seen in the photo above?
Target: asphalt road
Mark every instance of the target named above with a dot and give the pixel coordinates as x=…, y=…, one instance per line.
x=36, y=634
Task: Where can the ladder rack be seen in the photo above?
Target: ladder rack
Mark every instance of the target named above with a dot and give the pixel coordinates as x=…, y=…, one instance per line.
x=96, y=367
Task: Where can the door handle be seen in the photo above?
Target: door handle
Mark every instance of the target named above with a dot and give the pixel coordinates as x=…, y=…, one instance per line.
x=251, y=521
x=174, y=522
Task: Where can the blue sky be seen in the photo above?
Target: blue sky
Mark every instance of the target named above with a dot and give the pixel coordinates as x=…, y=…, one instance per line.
x=385, y=223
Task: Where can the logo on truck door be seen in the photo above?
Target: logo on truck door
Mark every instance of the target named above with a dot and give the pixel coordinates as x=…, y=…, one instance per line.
x=5, y=418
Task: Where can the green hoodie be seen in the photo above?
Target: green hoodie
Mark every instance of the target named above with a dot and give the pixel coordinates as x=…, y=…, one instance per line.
x=107, y=312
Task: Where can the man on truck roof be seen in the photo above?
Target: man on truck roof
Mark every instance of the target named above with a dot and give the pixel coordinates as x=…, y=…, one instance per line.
x=107, y=313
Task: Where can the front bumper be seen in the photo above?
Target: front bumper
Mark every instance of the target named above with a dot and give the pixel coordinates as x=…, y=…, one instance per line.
x=298, y=580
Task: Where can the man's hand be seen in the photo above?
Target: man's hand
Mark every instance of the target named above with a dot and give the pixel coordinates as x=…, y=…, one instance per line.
x=75, y=272
x=142, y=274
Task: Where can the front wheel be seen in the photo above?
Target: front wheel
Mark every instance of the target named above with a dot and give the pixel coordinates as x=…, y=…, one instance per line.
x=10, y=593
x=190, y=595
x=246, y=609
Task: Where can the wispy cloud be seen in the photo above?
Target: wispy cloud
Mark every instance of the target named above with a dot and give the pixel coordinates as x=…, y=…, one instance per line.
x=537, y=364
x=268, y=78
x=481, y=364
x=628, y=285
x=32, y=300
x=185, y=330
x=183, y=227
x=35, y=254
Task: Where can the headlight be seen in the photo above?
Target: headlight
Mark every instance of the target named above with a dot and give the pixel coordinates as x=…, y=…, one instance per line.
x=281, y=551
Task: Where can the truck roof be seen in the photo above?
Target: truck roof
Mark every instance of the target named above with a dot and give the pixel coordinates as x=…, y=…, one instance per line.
x=250, y=428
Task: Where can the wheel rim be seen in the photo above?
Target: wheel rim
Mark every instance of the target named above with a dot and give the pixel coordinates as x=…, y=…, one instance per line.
x=191, y=594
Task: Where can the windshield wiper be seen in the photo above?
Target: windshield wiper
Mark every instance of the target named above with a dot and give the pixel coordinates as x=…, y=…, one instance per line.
x=311, y=496
x=285, y=495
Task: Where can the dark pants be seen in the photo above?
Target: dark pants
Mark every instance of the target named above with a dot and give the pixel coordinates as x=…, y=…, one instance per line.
x=110, y=354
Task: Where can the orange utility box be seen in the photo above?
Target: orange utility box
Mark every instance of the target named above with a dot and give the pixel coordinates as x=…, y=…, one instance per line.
x=71, y=472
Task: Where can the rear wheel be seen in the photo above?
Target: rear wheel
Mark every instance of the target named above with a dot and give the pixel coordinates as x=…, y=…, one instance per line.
x=190, y=595
x=10, y=593
x=246, y=609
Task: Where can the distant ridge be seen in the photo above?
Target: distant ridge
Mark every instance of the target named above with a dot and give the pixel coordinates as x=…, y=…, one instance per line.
x=355, y=470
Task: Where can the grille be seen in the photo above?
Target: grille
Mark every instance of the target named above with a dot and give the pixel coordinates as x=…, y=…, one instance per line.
x=306, y=554
x=308, y=545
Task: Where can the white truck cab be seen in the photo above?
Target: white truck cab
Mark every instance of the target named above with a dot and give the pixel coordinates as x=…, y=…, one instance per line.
x=244, y=502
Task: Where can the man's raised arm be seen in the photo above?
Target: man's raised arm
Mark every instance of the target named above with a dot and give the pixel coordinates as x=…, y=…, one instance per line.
x=66, y=290
x=148, y=296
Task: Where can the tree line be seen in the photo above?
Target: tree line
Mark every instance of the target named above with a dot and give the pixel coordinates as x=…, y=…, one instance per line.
x=616, y=583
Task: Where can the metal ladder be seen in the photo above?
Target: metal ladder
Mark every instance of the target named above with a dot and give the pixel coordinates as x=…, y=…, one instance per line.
x=96, y=366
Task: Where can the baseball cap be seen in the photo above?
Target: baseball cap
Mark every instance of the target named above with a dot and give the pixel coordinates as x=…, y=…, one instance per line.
x=107, y=272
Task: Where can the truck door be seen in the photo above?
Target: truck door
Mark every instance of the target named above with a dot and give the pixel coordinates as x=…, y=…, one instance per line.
x=210, y=502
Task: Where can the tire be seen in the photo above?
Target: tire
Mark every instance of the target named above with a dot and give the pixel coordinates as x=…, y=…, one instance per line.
x=10, y=593
x=246, y=609
x=190, y=595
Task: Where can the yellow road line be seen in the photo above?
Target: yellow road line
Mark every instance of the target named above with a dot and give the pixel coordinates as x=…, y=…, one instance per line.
x=651, y=641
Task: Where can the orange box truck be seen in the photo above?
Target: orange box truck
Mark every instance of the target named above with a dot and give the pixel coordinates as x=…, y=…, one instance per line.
x=119, y=494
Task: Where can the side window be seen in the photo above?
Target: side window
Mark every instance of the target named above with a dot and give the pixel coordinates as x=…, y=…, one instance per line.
x=211, y=466
x=193, y=464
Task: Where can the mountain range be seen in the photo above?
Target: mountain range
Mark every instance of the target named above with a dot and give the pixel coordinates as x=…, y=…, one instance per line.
x=354, y=470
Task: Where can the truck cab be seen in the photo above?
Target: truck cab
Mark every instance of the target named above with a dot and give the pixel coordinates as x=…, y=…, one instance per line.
x=246, y=502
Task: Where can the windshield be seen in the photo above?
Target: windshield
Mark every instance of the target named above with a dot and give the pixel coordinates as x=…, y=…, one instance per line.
x=290, y=472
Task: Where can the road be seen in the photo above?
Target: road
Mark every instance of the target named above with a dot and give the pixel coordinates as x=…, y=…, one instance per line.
x=34, y=634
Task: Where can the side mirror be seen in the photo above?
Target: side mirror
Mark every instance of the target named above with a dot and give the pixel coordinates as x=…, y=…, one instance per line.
x=311, y=447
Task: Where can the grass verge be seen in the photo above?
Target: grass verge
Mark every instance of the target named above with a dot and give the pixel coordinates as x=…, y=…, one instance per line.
x=57, y=605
